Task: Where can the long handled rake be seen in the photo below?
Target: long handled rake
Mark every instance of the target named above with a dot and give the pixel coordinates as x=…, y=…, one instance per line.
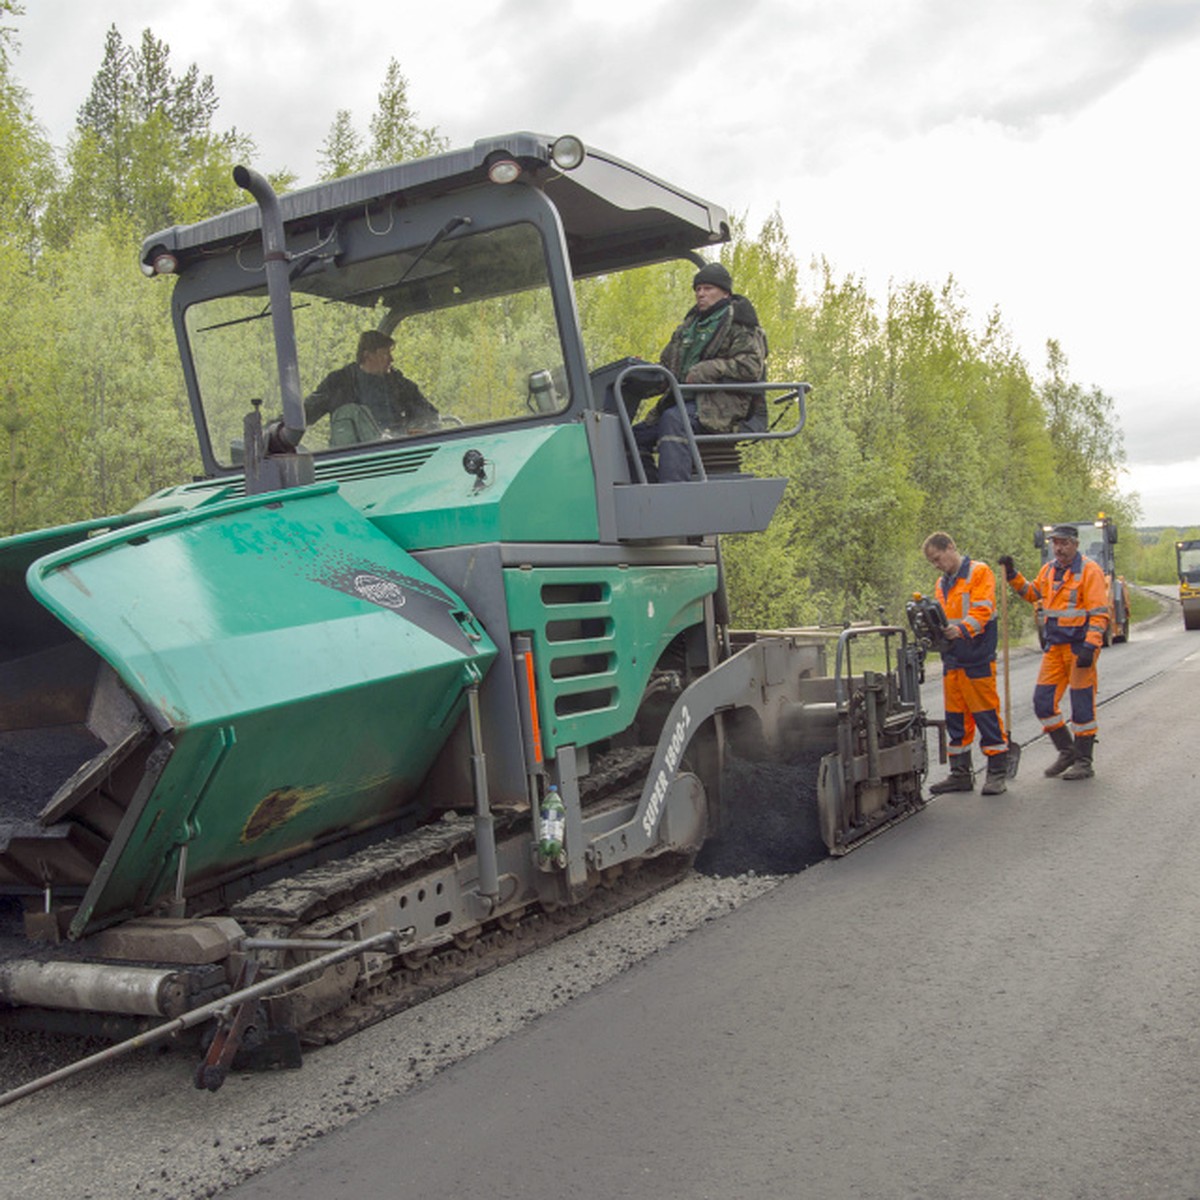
x=1014, y=748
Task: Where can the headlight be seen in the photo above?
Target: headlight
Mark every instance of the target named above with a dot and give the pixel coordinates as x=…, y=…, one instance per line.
x=504, y=170
x=567, y=152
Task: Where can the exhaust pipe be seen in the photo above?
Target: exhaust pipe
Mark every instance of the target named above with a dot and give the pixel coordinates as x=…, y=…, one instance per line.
x=279, y=292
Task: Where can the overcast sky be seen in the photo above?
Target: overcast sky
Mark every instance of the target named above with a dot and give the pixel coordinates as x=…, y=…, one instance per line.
x=1041, y=151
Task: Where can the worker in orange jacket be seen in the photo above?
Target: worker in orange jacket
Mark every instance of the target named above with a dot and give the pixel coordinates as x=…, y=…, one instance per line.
x=966, y=593
x=1071, y=597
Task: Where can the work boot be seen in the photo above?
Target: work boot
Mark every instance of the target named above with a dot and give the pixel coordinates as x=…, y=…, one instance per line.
x=1081, y=768
x=1061, y=737
x=997, y=773
x=960, y=779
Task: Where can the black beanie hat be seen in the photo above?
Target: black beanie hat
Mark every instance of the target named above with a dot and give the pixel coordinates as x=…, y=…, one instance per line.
x=715, y=274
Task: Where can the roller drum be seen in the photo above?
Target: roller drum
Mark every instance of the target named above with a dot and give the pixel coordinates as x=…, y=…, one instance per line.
x=92, y=987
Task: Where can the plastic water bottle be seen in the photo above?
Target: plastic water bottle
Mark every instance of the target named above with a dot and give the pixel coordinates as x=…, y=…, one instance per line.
x=554, y=825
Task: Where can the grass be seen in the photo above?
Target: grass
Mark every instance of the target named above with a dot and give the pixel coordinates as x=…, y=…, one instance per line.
x=1142, y=606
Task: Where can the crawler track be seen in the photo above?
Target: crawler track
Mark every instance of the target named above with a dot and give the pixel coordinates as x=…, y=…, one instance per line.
x=452, y=965
x=320, y=902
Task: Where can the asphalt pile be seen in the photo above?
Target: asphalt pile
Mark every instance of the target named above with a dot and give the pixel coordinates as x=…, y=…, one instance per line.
x=770, y=824
x=34, y=763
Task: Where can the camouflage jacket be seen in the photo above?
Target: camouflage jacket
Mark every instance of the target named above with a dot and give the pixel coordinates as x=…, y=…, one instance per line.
x=737, y=350
x=364, y=408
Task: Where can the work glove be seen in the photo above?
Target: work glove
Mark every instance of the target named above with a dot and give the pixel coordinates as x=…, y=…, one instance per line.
x=277, y=442
x=1085, y=654
x=1010, y=570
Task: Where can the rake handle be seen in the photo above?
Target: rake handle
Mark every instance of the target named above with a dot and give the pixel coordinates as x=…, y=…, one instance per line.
x=1004, y=645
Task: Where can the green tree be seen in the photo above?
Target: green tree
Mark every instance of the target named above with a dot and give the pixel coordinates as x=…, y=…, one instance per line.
x=1086, y=439
x=394, y=133
x=13, y=420
x=144, y=147
x=8, y=8
x=97, y=384
x=26, y=160
x=1155, y=560
x=26, y=177
x=918, y=420
x=342, y=153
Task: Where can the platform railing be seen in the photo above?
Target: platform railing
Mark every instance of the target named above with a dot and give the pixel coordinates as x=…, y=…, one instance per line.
x=681, y=392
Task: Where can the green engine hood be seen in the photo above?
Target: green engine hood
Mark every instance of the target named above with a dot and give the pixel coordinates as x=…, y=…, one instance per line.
x=301, y=670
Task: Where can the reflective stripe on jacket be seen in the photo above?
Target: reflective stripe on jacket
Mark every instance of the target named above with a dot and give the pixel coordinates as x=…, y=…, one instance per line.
x=1072, y=602
x=968, y=598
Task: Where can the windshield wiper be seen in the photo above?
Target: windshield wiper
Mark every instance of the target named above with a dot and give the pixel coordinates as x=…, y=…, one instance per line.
x=445, y=231
x=302, y=263
x=258, y=316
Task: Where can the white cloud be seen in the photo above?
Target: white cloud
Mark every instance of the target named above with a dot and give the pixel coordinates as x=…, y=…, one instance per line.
x=1169, y=493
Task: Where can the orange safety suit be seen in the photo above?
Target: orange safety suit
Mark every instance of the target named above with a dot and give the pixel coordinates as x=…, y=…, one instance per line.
x=1072, y=607
x=968, y=598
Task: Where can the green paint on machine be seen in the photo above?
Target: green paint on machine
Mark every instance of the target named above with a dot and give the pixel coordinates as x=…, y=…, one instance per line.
x=303, y=669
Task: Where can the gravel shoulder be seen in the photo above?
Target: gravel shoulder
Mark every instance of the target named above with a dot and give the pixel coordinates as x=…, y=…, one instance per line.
x=138, y=1127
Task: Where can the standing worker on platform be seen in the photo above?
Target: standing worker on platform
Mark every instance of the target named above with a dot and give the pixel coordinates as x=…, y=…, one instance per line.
x=966, y=593
x=1072, y=599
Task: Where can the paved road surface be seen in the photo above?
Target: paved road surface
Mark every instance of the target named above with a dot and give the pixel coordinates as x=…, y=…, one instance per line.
x=998, y=998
